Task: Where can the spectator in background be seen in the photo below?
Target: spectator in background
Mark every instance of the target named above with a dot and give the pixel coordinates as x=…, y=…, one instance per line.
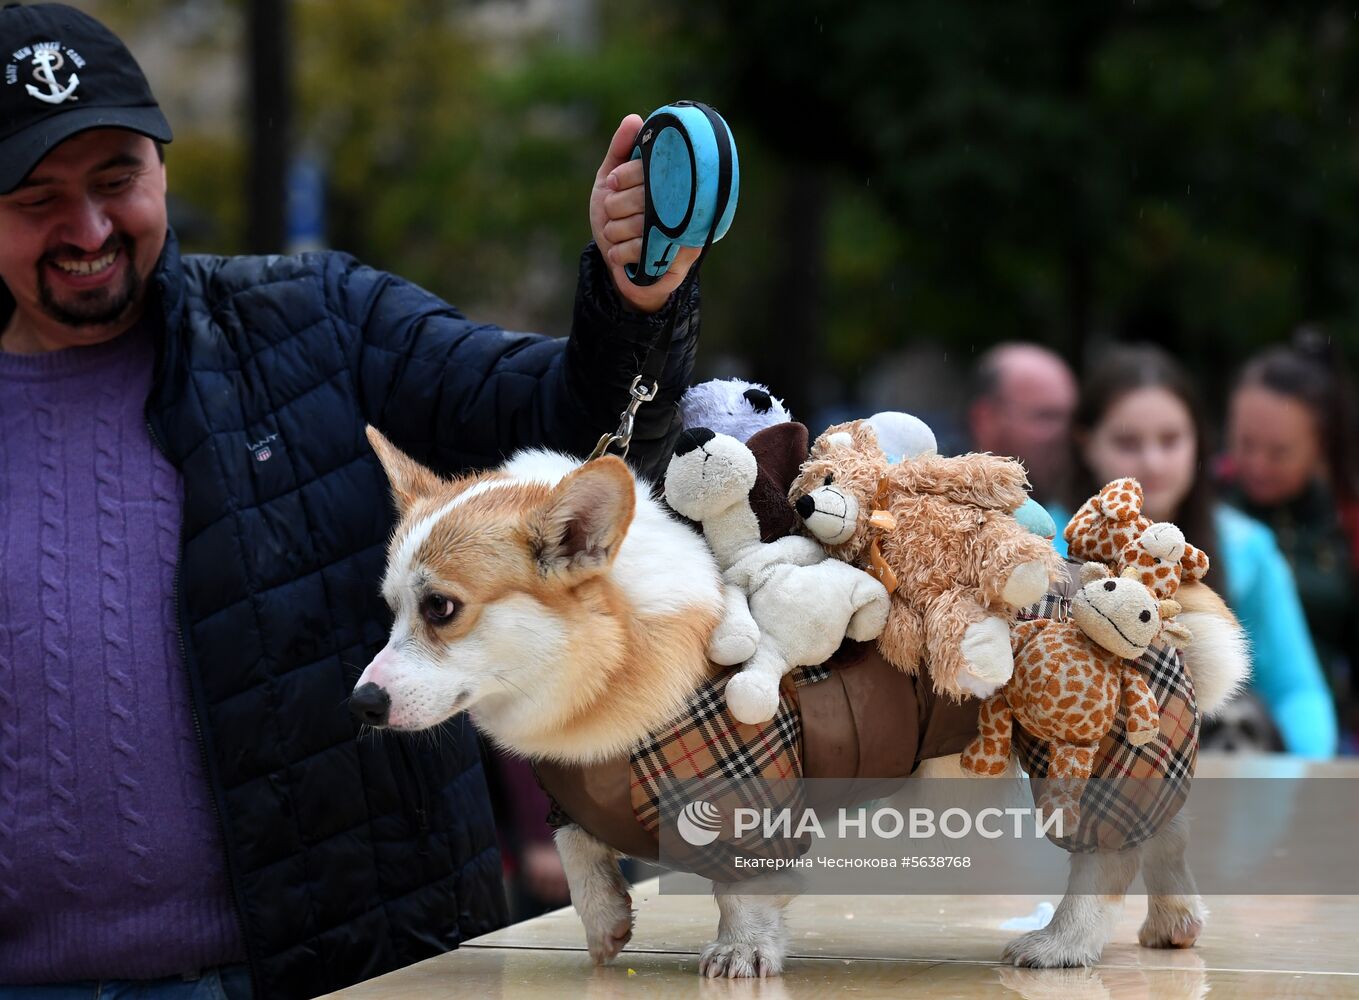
x=1138, y=415
x=1291, y=463
x=1020, y=405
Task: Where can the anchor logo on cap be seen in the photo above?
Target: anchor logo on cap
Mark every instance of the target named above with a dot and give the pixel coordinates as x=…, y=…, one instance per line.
x=47, y=62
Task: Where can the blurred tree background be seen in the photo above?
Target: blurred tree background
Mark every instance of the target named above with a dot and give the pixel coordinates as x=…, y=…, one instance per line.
x=919, y=179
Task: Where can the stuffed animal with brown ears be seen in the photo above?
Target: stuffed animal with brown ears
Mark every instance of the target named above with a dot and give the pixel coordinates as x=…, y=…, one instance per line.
x=1162, y=559
x=941, y=535
x=1110, y=528
x=1071, y=676
x=788, y=603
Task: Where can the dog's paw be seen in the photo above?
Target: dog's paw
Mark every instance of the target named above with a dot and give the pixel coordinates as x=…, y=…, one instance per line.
x=725, y=960
x=752, y=698
x=1172, y=922
x=605, y=946
x=608, y=926
x=1050, y=949
x=1068, y=984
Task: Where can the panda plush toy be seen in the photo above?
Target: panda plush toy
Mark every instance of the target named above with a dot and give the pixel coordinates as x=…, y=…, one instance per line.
x=733, y=407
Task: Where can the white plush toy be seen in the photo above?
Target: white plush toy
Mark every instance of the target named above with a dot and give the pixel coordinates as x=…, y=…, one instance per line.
x=798, y=601
x=902, y=435
x=733, y=407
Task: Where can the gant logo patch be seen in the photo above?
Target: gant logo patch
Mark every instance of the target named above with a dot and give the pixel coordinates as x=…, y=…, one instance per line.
x=44, y=63
x=262, y=449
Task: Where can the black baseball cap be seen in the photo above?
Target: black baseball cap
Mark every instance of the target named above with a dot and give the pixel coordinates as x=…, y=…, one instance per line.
x=64, y=73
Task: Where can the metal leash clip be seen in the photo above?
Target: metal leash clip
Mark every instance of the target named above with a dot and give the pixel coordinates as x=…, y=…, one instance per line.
x=622, y=437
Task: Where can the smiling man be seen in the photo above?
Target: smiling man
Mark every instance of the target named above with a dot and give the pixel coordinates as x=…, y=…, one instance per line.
x=192, y=529
x=83, y=280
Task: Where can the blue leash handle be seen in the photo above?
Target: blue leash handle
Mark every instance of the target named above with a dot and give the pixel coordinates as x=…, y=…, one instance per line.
x=692, y=180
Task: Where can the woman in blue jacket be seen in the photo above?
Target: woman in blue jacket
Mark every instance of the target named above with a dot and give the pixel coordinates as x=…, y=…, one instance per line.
x=1138, y=416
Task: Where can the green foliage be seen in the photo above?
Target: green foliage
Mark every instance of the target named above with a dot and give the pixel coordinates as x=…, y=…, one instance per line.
x=1175, y=172
x=460, y=163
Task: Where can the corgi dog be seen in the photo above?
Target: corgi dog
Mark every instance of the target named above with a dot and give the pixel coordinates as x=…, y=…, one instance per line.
x=568, y=613
x=536, y=598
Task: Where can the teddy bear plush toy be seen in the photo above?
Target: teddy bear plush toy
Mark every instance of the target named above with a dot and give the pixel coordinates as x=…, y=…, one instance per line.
x=1110, y=528
x=1070, y=678
x=788, y=603
x=941, y=535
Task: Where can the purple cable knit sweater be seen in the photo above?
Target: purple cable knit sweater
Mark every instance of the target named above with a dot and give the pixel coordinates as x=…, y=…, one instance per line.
x=111, y=862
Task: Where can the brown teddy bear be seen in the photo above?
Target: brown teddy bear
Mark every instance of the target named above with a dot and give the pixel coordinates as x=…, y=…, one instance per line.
x=940, y=533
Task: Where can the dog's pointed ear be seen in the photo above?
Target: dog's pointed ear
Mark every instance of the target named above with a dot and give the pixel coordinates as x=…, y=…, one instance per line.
x=579, y=530
x=410, y=480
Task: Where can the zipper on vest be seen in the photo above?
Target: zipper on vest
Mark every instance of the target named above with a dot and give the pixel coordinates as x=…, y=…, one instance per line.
x=209, y=771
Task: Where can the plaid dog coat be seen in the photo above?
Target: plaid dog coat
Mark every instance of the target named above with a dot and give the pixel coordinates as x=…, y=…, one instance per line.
x=854, y=717
x=858, y=717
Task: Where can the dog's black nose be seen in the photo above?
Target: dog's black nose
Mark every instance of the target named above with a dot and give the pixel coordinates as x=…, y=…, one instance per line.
x=694, y=437
x=369, y=704
x=805, y=506
x=759, y=400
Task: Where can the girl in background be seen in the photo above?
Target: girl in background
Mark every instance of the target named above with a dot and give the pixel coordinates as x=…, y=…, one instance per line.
x=1138, y=416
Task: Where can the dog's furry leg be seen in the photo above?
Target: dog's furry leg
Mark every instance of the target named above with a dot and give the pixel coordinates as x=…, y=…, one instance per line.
x=1175, y=913
x=1083, y=921
x=598, y=892
x=752, y=939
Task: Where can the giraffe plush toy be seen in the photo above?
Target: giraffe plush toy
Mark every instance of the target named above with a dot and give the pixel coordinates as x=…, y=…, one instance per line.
x=1162, y=557
x=1110, y=528
x=1070, y=678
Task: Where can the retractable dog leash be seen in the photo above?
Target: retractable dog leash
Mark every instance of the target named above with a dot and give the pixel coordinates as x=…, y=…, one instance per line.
x=691, y=180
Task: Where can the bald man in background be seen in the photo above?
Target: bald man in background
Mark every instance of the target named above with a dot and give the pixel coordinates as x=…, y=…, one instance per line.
x=1023, y=397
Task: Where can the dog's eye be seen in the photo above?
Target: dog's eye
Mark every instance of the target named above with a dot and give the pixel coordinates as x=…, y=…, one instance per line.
x=1145, y=616
x=438, y=609
x=829, y=479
